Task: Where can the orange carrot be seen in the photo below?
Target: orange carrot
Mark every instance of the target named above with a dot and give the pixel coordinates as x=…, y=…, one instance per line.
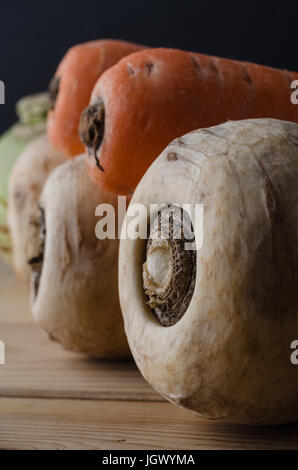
x=71, y=87
x=153, y=96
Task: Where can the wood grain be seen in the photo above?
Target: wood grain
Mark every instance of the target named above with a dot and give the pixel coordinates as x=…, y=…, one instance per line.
x=87, y=424
x=38, y=367
x=14, y=297
x=53, y=399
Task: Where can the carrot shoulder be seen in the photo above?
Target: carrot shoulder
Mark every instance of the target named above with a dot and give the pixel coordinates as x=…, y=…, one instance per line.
x=155, y=95
x=71, y=88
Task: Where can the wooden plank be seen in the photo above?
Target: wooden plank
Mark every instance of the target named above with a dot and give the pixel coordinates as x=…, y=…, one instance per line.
x=14, y=297
x=38, y=367
x=40, y=380
x=83, y=424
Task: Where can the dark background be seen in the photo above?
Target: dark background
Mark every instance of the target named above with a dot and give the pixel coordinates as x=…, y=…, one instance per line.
x=34, y=35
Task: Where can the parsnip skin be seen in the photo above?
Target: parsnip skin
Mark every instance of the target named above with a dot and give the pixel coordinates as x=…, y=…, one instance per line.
x=27, y=178
x=32, y=113
x=77, y=299
x=228, y=357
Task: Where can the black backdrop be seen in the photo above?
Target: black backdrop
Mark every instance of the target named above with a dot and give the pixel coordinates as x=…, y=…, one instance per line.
x=34, y=35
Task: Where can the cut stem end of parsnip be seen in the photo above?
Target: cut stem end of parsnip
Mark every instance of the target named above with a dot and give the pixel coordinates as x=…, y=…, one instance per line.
x=169, y=270
x=36, y=247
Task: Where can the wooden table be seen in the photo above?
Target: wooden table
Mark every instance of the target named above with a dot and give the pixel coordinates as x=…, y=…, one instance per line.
x=53, y=399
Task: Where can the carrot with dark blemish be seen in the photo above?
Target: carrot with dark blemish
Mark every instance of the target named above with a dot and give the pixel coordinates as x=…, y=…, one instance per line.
x=152, y=96
x=71, y=87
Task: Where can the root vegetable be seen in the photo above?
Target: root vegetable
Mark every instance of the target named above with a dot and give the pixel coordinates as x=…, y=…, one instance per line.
x=153, y=96
x=71, y=87
x=74, y=274
x=227, y=354
x=31, y=111
x=27, y=178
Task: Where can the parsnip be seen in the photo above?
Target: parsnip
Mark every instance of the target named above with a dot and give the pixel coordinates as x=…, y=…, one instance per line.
x=31, y=112
x=26, y=181
x=74, y=288
x=227, y=353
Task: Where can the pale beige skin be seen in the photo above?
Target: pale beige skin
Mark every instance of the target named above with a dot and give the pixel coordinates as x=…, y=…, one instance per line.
x=77, y=301
x=25, y=185
x=229, y=356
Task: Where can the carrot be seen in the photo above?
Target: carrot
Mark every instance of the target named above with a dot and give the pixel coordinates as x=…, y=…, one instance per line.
x=151, y=97
x=71, y=87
